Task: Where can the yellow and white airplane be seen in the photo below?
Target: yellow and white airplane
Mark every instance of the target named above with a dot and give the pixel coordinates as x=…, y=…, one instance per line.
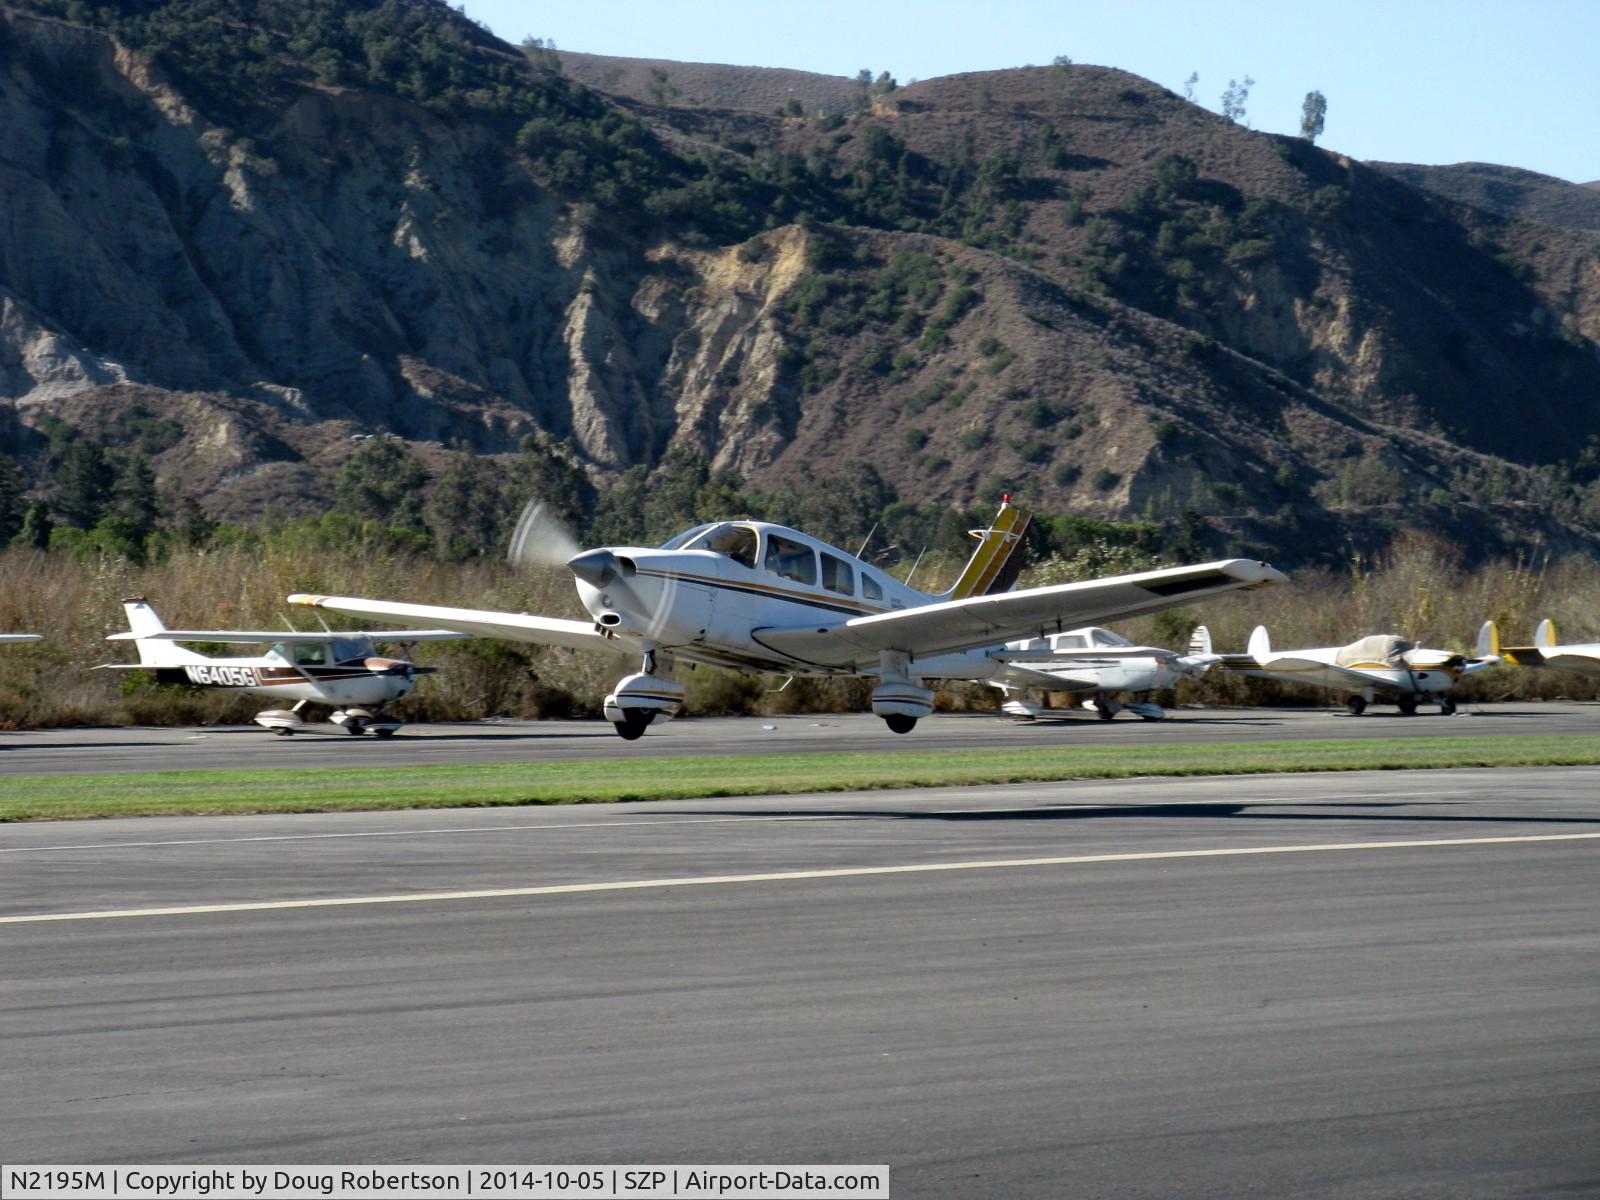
x=340, y=670
x=1097, y=666
x=1382, y=667
x=1547, y=651
x=765, y=598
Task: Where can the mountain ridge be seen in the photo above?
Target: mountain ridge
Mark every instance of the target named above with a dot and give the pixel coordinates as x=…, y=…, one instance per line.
x=1064, y=279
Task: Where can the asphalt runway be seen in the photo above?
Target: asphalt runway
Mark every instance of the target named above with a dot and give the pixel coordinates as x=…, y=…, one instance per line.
x=251, y=747
x=1378, y=984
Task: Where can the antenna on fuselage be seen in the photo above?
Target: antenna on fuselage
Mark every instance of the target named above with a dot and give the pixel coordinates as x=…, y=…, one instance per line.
x=867, y=539
x=915, y=565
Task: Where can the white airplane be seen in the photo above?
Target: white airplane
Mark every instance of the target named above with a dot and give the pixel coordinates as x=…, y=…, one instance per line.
x=764, y=598
x=1383, y=667
x=9, y=639
x=1096, y=664
x=341, y=670
x=1547, y=651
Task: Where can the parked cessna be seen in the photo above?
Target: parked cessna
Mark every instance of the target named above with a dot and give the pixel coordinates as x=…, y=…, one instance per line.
x=1093, y=663
x=1381, y=668
x=764, y=598
x=341, y=670
x=1547, y=651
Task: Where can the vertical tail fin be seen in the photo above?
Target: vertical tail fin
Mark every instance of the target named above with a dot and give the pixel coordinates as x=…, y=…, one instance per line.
x=1488, y=640
x=1260, y=646
x=996, y=563
x=1200, y=641
x=1545, y=636
x=142, y=623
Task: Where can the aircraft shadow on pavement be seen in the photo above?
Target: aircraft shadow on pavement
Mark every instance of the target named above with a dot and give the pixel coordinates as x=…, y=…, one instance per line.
x=1150, y=811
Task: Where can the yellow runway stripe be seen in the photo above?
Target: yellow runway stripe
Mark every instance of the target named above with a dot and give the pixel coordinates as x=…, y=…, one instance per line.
x=780, y=877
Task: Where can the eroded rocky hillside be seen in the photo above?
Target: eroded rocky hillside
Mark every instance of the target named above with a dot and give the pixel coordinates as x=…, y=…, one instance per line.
x=1064, y=281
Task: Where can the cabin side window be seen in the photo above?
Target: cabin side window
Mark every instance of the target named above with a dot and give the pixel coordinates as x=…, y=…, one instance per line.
x=310, y=654
x=791, y=559
x=871, y=589
x=837, y=575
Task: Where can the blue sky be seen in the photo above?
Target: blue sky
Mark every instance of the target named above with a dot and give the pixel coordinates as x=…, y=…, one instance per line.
x=1469, y=81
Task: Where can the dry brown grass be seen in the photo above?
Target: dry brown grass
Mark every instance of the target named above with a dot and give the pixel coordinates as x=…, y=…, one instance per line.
x=1417, y=590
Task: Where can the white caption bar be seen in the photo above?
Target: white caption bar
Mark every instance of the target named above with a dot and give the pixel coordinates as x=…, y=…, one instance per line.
x=682, y=1182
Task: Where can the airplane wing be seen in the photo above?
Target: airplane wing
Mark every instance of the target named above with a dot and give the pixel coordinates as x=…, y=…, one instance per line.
x=516, y=627
x=1020, y=676
x=257, y=637
x=957, y=625
x=1311, y=670
x=1573, y=658
x=8, y=638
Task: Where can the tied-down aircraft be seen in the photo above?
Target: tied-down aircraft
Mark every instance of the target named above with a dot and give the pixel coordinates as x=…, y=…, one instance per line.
x=341, y=670
x=1382, y=667
x=1547, y=650
x=1096, y=666
x=764, y=598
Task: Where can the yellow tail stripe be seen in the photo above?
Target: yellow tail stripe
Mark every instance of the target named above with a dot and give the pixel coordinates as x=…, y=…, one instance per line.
x=991, y=554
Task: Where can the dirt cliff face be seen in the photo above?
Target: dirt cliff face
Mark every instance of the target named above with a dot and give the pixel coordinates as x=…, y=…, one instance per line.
x=1065, y=281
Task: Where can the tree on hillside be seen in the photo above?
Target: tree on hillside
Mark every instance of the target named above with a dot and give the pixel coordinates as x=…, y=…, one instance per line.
x=884, y=84
x=83, y=485
x=662, y=88
x=1188, y=86
x=1312, y=113
x=133, y=497
x=12, y=506
x=1234, y=98
x=382, y=482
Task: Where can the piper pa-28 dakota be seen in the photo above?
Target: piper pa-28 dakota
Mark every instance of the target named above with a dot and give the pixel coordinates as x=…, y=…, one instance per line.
x=764, y=598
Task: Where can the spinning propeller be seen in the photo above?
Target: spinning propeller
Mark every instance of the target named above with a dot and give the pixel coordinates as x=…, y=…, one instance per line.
x=542, y=539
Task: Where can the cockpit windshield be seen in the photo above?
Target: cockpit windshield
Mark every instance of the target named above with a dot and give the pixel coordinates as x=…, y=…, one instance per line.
x=687, y=536
x=736, y=541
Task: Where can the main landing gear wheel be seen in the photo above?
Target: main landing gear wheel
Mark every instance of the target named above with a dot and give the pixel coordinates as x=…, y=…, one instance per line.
x=355, y=727
x=1104, y=711
x=1356, y=705
x=900, y=723
x=387, y=731
x=633, y=724
x=1447, y=706
x=1407, y=705
x=284, y=732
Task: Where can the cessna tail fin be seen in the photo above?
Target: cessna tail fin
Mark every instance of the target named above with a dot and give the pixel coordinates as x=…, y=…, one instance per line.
x=1260, y=646
x=1200, y=641
x=1488, y=640
x=1545, y=636
x=144, y=624
x=996, y=563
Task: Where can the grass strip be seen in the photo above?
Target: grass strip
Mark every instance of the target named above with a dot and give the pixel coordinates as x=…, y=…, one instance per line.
x=593, y=780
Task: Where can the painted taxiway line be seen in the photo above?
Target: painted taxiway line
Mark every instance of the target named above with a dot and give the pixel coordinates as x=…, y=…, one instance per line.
x=658, y=823
x=565, y=889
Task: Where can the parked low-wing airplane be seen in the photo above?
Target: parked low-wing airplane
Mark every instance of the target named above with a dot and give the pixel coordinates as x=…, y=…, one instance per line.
x=1547, y=651
x=1383, y=667
x=341, y=670
x=1100, y=666
x=761, y=597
